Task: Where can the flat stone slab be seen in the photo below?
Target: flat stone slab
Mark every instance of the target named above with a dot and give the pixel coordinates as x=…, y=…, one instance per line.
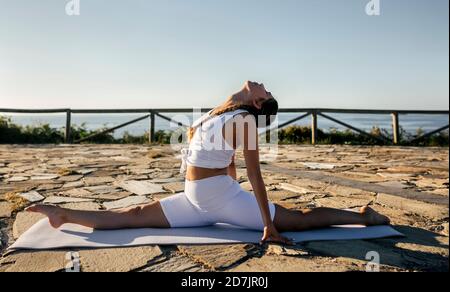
x=432, y=183
x=117, y=259
x=5, y=209
x=282, y=195
x=346, y=191
x=175, y=187
x=45, y=177
x=70, y=178
x=95, y=181
x=141, y=170
x=42, y=261
x=85, y=171
x=361, y=176
x=294, y=188
x=123, y=177
x=32, y=196
x=315, y=165
x=78, y=193
x=22, y=168
x=101, y=189
x=218, y=257
x=176, y=263
x=112, y=196
x=343, y=202
x=394, y=175
x=74, y=184
x=63, y=200
x=274, y=249
x=140, y=188
x=394, y=184
x=17, y=178
x=48, y=187
x=442, y=192
x=126, y=202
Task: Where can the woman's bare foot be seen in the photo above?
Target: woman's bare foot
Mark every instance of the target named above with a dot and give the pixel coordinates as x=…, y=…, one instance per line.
x=55, y=214
x=373, y=217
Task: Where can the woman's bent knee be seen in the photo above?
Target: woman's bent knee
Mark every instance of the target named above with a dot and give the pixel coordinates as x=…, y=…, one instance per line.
x=150, y=216
x=133, y=212
x=289, y=220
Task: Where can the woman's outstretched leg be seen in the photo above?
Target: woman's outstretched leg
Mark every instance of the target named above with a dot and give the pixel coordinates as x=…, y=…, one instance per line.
x=294, y=220
x=144, y=216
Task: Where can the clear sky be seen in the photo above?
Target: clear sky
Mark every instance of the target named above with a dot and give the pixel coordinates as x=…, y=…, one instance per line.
x=185, y=53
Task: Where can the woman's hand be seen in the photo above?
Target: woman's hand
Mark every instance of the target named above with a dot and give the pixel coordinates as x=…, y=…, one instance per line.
x=271, y=235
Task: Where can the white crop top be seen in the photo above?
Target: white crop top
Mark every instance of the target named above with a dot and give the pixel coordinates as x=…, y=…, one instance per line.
x=208, y=148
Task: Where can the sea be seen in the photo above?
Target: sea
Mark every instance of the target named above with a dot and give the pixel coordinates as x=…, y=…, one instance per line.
x=409, y=123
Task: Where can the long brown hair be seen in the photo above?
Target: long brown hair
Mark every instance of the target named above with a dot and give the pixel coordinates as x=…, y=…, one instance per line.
x=269, y=108
x=228, y=106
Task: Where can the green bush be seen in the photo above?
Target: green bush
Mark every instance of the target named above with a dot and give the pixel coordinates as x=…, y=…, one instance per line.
x=80, y=132
x=14, y=134
x=302, y=135
x=9, y=133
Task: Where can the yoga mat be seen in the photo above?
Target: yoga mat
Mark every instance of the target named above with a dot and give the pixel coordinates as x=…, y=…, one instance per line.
x=42, y=236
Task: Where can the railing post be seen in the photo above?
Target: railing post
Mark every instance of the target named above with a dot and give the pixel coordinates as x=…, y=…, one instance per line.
x=68, y=134
x=395, y=128
x=151, y=136
x=314, y=127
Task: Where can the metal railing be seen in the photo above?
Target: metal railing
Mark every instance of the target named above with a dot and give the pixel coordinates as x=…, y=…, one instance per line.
x=151, y=114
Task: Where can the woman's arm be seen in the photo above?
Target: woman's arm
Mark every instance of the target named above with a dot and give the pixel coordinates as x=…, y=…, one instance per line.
x=257, y=182
x=232, y=169
x=251, y=154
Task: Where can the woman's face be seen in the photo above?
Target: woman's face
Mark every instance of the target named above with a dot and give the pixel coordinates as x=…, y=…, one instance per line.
x=258, y=93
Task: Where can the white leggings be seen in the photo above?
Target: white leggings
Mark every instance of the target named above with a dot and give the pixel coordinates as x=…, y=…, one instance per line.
x=218, y=199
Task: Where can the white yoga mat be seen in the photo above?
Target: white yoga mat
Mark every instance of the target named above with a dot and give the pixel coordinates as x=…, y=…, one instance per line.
x=42, y=236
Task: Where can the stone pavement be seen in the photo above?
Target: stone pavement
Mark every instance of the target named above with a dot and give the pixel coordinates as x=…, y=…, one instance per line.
x=411, y=185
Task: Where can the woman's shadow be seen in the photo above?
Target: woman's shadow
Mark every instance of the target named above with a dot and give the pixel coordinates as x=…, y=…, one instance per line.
x=419, y=250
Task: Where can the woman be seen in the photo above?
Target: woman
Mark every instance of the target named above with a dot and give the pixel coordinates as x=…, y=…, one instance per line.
x=212, y=194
